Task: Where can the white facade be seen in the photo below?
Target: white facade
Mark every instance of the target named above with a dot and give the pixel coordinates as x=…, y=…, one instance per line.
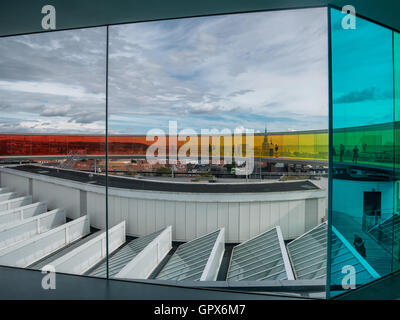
x=191, y=215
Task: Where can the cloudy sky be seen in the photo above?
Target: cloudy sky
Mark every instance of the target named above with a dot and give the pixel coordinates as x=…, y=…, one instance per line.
x=242, y=70
x=53, y=82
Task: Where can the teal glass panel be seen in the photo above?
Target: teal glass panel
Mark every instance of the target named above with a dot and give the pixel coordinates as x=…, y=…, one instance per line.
x=387, y=288
x=396, y=50
x=396, y=224
x=362, y=77
x=363, y=154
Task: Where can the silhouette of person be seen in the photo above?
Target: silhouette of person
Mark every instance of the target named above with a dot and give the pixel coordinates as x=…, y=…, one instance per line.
x=355, y=154
x=271, y=150
x=276, y=150
x=341, y=152
x=364, y=146
x=359, y=245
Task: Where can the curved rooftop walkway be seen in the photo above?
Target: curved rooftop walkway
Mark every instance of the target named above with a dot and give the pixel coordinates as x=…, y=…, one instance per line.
x=191, y=187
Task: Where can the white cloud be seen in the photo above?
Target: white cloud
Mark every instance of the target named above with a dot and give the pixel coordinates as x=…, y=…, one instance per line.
x=188, y=70
x=50, y=88
x=229, y=71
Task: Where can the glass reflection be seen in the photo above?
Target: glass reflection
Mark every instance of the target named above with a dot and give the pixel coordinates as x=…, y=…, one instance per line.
x=52, y=124
x=363, y=154
x=196, y=85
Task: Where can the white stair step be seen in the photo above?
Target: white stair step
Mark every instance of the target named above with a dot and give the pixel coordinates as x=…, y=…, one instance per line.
x=92, y=252
x=20, y=213
x=31, y=250
x=28, y=228
x=15, y=203
x=9, y=195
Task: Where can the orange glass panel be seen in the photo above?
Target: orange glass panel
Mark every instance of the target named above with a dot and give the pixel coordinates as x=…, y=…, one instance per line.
x=287, y=145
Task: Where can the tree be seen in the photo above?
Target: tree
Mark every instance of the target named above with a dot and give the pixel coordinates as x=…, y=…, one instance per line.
x=163, y=171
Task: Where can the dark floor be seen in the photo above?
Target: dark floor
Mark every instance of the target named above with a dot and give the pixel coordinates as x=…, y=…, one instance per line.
x=223, y=270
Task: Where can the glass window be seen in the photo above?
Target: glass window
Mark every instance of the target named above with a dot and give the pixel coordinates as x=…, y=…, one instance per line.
x=217, y=147
x=363, y=151
x=362, y=73
x=52, y=147
x=396, y=41
x=396, y=218
x=181, y=95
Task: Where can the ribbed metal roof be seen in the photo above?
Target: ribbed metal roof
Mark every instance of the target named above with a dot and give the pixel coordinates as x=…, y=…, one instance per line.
x=308, y=253
x=119, y=259
x=263, y=257
x=344, y=254
x=190, y=259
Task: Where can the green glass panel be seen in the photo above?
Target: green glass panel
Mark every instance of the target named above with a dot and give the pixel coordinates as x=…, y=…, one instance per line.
x=374, y=144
